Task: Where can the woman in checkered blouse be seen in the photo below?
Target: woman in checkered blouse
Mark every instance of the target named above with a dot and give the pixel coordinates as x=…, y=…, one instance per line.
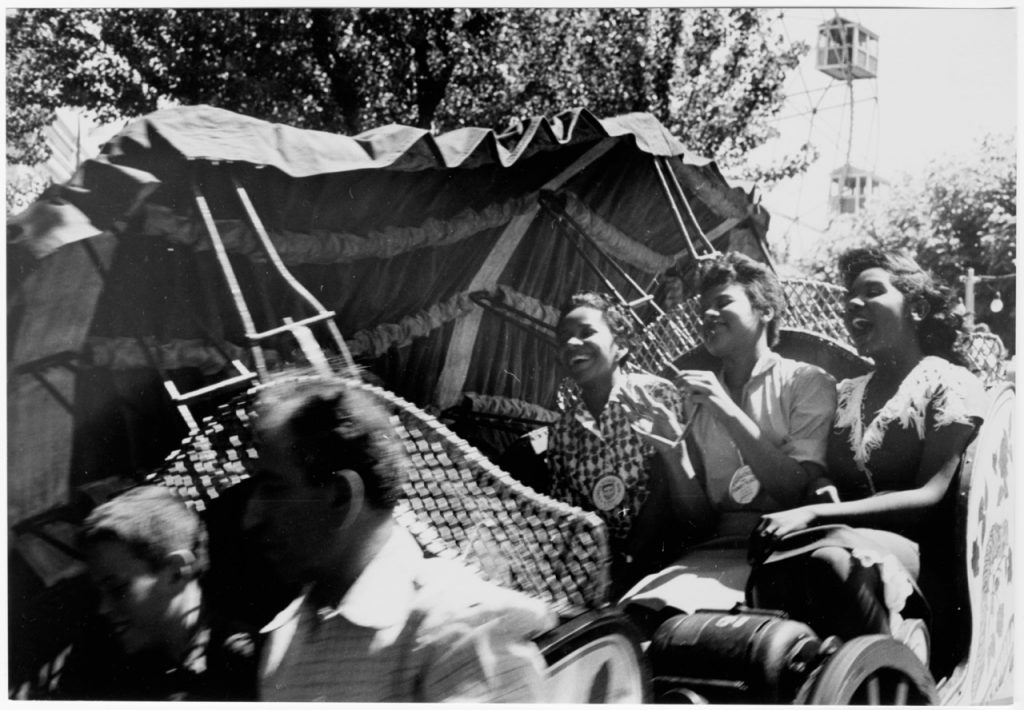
x=618, y=450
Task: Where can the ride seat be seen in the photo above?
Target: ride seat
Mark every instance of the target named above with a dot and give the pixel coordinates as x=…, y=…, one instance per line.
x=458, y=504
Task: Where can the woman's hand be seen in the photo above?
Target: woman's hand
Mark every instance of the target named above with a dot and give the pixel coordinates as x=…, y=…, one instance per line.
x=652, y=420
x=703, y=387
x=776, y=525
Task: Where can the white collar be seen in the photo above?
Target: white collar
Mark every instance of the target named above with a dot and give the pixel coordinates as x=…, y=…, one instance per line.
x=763, y=365
x=380, y=597
x=583, y=415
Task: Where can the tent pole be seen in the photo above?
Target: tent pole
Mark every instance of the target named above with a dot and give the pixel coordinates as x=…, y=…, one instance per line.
x=690, y=247
x=229, y=274
x=661, y=166
x=464, y=335
x=275, y=260
x=686, y=204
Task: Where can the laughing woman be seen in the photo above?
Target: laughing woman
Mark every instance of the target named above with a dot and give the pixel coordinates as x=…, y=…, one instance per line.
x=759, y=424
x=898, y=437
x=761, y=421
x=618, y=451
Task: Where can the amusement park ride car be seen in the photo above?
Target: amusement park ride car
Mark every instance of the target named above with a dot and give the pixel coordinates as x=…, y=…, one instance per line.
x=462, y=505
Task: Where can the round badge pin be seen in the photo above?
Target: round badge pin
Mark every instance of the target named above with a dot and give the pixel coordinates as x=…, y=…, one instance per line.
x=744, y=486
x=608, y=492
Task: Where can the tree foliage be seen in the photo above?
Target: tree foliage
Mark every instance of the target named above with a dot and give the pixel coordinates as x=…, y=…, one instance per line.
x=960, y=212
x=23, y=186
x=713, y=76
x=43, y=49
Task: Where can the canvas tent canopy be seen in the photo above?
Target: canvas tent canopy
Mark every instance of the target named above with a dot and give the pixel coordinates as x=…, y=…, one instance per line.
x=409, y=238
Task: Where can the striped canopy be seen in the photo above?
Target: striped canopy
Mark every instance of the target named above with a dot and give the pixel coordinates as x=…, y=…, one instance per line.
x=408, y=237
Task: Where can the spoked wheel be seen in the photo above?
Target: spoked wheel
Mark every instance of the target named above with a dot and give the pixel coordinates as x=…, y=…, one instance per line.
x=871, y=670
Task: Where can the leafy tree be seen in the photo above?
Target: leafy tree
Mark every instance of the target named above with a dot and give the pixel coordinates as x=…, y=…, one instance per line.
x=960, y=212
x=24, y=186
x=43, y=47
x=713, y=76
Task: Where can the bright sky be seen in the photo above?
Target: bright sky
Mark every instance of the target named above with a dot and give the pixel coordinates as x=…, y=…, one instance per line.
x=946, y=77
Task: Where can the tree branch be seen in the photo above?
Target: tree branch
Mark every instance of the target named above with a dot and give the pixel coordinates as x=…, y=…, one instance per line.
x=341, y=73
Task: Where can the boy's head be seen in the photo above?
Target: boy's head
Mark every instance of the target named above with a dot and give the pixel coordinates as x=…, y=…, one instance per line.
x=145, y=549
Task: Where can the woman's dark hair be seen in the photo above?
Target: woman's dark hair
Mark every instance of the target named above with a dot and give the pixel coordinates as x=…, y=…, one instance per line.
x=335, y=425
x=759, y=282
x=616, y=315
x=939, y=332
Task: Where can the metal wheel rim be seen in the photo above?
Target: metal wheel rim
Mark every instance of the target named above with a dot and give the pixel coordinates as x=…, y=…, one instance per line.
x=872, y=670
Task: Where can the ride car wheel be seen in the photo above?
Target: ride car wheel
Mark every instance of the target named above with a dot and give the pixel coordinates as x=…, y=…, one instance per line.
x=871, y=670
x=596, y=658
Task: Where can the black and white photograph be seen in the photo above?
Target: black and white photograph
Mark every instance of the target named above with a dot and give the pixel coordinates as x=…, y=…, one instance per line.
x=560, y=355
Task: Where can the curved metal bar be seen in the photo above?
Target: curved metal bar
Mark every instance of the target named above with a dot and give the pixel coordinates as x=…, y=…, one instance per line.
x=686, y=204
x=229, y=274
x=555, y=205
x=534, y=326
x=690, y=246
x=282, y=270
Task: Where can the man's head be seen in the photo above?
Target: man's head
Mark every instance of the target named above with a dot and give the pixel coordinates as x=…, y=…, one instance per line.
x=330, y=461
x=145, y=550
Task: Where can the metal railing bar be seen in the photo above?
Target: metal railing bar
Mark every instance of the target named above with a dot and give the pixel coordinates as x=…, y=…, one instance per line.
x=244, y=376
x=229, y=274
x=278, y=264
x=291, y=325
x=690, y=246
x=686, y=204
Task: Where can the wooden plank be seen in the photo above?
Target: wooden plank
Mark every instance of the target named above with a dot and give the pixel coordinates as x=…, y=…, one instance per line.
x=460, y=345
x=452, y=379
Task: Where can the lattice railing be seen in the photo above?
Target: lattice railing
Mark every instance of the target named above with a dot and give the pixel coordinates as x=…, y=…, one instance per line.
x=667, y=337
x=812, y=305
x=816, y=306
x=986, y=356
x=458, y=505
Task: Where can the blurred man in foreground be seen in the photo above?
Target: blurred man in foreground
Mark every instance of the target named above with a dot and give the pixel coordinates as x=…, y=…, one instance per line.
x=376, y=621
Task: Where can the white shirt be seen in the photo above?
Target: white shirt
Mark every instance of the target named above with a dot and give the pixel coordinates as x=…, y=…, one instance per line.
x=409, y=629
x=793, y=404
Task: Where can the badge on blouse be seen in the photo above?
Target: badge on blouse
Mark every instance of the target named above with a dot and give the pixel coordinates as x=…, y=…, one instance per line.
x=608, y=492
x=744, y=486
